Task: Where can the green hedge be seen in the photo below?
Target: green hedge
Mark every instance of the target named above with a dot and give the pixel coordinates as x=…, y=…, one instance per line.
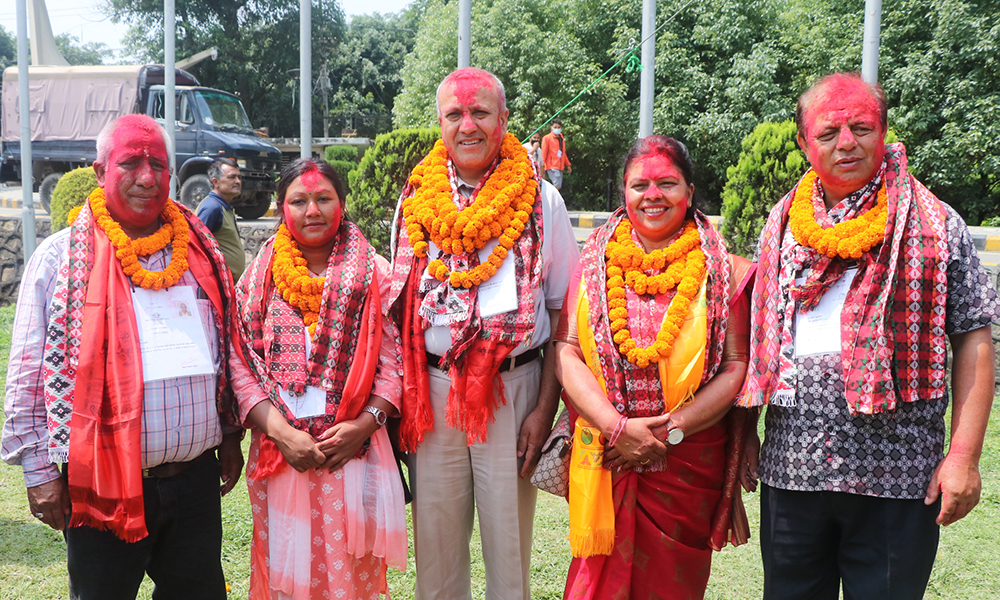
x=71, y=191
x=377, y=182
x=344, y=168
x=343, y=153
x=770, y=164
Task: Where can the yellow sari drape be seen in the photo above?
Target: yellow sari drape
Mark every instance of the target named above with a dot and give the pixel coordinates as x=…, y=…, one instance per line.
x=591, y=508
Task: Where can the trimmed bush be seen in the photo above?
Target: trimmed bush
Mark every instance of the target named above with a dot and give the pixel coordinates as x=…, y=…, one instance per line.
x=378, y=181
x=344, y=168
x=344, y=153
x=71, y=191
x=770, y=164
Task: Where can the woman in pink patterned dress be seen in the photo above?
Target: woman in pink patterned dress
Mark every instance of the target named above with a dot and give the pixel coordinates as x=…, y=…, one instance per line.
x=325, y=490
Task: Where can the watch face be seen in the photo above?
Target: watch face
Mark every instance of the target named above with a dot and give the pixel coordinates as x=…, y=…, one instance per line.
x=379, y=414
x=675, y=436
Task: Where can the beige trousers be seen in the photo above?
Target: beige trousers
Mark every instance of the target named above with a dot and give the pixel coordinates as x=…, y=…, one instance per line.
x=450, y=478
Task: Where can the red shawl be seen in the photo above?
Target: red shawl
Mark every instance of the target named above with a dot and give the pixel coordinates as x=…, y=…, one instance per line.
x=105, y=456
x=345, y=349
x=479, y=345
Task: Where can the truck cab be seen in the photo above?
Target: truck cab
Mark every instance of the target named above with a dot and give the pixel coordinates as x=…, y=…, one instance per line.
x=70, y=106
x=211, y=123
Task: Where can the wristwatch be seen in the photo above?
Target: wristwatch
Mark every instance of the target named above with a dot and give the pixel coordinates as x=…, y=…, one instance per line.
x=376, y=412
x=675, y=434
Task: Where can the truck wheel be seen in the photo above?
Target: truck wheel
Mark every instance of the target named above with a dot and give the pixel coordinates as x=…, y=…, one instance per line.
x=46, y=188
x=256, y=208
x=194, y=190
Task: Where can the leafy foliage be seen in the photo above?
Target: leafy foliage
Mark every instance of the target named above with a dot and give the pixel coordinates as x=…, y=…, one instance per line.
x=364, y=71
x=258, y=46
x=770, y=164
x=539, y=57
x=8, y=48
x=348, y=153
x=77, y=53
x=378, y=181
x=71, y=191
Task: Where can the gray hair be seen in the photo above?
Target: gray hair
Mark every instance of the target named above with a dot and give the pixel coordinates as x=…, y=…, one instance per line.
x=215, y=169
x=470, y=73
x=104, y=138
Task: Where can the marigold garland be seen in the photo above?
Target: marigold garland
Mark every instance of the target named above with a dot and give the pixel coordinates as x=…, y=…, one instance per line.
x=627, y=265
x=73, y=214
x=290, y=273
x=500, y=210
x=174, y=232
x=848, y=239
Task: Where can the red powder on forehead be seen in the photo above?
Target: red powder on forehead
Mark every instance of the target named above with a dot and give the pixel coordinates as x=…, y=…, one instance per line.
x=658, y=166
x=138, y=133
x=840, y=99
x=467, y=82
x=312, y=179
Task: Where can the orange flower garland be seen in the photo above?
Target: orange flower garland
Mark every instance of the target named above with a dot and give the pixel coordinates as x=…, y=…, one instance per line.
x=291, y=274
x=500, y=210
x=174, y=232
x=627, y=263
x=848, y=239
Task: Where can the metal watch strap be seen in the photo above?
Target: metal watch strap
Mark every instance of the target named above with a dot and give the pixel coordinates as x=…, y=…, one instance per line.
x=376, y=412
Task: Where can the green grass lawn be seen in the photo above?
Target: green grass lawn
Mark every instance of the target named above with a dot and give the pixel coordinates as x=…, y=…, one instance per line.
x=32, y=556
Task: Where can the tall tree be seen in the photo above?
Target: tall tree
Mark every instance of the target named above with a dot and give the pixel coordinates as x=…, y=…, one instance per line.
x=542, y=65
x=258, y=47
x=8, y=48
x=365, y=70
x=77, y=53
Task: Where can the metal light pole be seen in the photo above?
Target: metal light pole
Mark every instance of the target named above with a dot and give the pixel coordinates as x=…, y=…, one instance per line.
x=464, y=33
x=305, y=78
x=647, y=91
x=24, y=106
x=169, y=84
x=873, y=29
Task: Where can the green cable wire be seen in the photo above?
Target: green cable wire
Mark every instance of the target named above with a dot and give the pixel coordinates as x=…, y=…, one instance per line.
x=627, y=54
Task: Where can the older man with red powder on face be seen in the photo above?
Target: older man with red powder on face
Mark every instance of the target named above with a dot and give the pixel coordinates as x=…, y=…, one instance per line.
x=91, y=364
x=483, y=252
x=862, y=275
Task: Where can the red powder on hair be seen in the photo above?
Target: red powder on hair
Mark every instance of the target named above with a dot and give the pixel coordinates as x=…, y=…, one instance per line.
x=312, y=179
x=467, y=82
x=841, y=98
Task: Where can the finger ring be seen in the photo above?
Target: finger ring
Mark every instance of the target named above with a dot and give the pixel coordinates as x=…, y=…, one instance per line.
x=645, y=461
x=39, y=515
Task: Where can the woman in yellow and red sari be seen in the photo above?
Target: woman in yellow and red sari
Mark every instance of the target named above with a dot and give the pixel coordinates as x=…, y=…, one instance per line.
x=326, y=495
x=654, y=348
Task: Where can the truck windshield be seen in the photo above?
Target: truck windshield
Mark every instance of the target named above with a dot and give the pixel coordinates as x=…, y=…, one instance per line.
x=223, y=111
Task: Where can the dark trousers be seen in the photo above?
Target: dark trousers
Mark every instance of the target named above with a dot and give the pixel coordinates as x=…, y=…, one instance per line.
x=880, y=548
x=182, y=553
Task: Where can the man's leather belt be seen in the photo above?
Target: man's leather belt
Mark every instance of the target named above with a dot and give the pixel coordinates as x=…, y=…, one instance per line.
x=509, y=364
x=175, y=468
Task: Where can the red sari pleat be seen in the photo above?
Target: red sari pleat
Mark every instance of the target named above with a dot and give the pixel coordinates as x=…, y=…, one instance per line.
x=663, y=521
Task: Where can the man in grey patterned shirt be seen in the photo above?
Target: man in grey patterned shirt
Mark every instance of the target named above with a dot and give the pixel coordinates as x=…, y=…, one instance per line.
x=862, y=276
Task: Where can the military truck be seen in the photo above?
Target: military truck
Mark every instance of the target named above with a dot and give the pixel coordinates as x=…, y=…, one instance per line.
x=70, y=105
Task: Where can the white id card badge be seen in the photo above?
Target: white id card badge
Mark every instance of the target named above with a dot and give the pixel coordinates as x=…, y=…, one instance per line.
x=818, y=331
x=499, y=293
x=313, y=402
x=310, y=404
x=171, y=336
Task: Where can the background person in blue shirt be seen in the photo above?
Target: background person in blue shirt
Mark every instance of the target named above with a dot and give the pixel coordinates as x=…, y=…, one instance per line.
x=219, y=216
